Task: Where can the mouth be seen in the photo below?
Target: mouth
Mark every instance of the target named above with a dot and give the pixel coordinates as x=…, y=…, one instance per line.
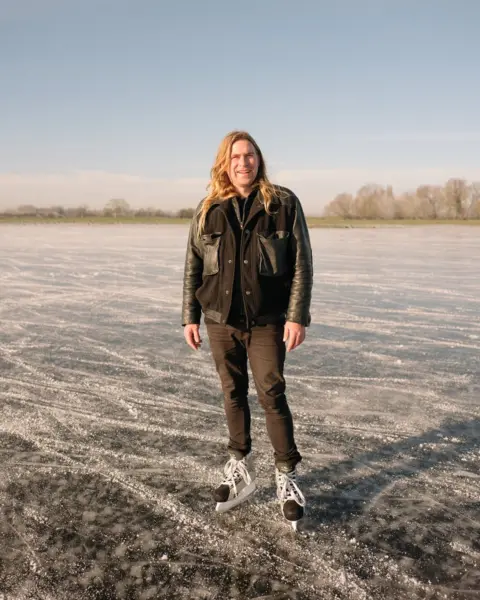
x=243, y=172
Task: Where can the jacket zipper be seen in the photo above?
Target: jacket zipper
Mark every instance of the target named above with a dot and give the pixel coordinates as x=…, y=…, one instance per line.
x=242, y=238
x=241, y=277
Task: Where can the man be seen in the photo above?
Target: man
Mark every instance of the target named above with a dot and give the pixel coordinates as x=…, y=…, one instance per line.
x=249, y=269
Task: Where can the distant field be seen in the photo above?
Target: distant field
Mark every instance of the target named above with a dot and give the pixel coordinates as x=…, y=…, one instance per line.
x=312, y=221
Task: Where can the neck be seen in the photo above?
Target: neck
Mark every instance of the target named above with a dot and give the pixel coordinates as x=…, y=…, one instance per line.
x=244, y=192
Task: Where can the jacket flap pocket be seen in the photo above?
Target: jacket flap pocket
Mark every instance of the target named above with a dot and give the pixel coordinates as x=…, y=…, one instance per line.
x=273, y=252
x=211, y=238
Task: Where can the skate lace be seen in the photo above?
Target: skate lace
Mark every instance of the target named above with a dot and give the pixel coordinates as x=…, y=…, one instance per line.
x=234, y=471
x=288, y=489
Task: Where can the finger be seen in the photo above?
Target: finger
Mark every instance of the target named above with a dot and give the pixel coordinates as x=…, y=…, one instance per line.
x=286, y=332
x=299, y=337
x=299, y=341
x=191, y=341
x=291, y=341
x=197, y=340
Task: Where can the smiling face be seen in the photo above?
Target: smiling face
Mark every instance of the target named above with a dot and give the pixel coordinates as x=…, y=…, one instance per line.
x=243, y=169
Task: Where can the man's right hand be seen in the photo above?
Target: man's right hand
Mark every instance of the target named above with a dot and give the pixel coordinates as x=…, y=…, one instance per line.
x=192, y=336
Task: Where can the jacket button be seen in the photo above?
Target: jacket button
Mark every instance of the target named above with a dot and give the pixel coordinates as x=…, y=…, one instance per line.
x=227, y=292
x=230, y=261
x=246, y=262
x=248, y=292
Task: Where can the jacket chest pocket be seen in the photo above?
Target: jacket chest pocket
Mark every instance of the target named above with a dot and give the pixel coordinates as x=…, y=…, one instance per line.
x=273, y=253
x=211, y=247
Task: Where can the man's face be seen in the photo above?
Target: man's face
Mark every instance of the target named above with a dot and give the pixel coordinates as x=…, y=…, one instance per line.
x=244, y=163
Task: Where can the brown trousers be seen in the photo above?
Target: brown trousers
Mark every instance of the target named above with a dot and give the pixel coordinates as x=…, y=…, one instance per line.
x=264, y=348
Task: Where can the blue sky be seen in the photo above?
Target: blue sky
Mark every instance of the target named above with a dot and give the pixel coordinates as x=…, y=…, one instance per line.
x=117, y=98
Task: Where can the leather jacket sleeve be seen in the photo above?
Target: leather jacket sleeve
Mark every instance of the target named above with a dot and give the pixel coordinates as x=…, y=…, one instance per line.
x=302, y=282
x=192, y=278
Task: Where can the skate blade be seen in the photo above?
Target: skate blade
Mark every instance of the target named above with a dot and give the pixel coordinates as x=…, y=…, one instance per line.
x=242, y=496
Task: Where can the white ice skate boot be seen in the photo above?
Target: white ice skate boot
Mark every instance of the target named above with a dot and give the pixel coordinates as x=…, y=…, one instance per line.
x=292, y=501
x=237, y=485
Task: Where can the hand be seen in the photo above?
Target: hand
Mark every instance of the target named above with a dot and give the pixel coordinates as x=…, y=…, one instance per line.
x=293, y=334
x=192, y=336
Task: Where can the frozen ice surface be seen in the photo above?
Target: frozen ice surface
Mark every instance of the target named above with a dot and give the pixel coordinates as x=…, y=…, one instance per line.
x=112, y=433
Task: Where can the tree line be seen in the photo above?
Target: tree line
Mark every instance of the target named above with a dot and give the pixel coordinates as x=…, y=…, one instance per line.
x=457, y=199
x=114, y=208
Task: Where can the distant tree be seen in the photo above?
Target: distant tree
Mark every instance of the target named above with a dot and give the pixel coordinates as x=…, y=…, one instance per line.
x=117, y=207
x=159, y=212
x=386, y=203
x=340, y=206
x=82, y=210
x=405, y=206
x=456, y=194
x=27, y=210
x=70, y=212
x=370, y=201
x=431, y=201
x=8, y=212
x=58, y=210
x=473, y=211
x=185, y=213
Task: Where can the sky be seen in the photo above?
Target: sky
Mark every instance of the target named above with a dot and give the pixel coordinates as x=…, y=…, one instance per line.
x=130, y=99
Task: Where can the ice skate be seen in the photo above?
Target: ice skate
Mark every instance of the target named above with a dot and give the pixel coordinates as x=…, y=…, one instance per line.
x=291, y=499
x=238, y=483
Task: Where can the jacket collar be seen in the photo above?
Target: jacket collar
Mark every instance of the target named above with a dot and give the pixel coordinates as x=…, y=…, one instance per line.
x=257, y=205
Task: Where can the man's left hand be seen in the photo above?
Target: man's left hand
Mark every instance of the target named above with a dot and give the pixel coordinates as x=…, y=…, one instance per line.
x=294, y=334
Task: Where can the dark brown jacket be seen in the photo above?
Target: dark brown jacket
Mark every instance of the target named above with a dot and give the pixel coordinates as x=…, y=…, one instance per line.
x=275, y=261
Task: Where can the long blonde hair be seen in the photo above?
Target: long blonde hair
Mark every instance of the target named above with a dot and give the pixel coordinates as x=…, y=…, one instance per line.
x=220, y=186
